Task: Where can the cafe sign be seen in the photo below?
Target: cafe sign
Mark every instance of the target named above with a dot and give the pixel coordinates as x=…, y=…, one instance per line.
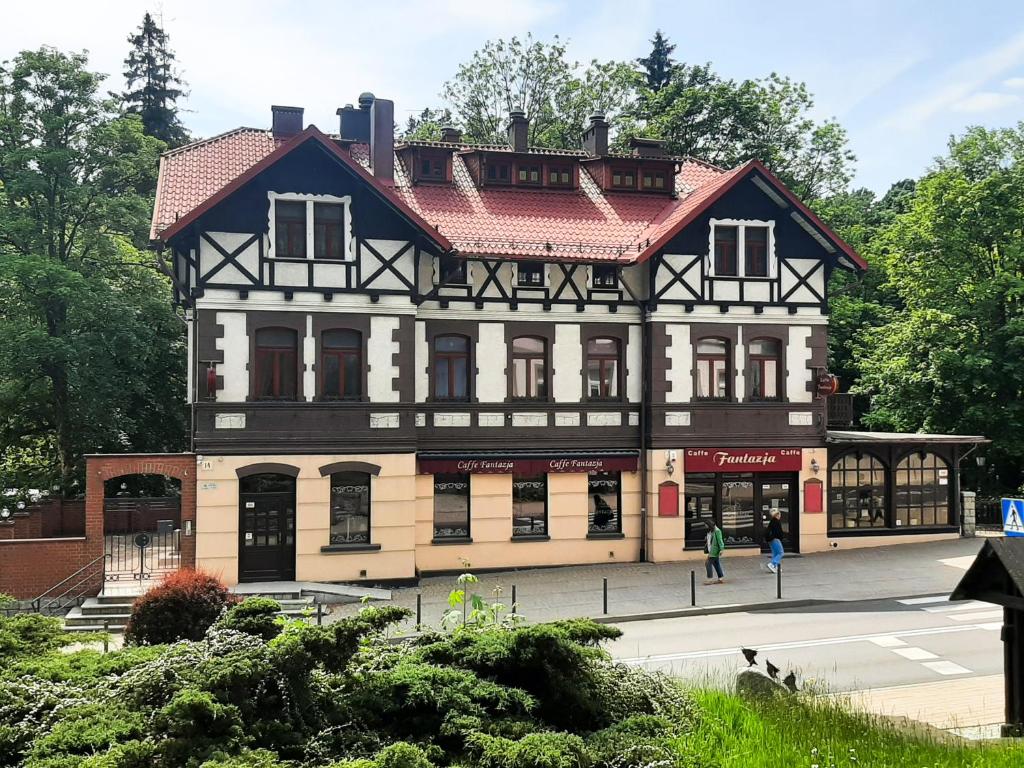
x=532, y=466
x=743, y=460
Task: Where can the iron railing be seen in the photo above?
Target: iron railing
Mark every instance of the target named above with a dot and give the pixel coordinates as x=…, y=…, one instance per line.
x=73, y=588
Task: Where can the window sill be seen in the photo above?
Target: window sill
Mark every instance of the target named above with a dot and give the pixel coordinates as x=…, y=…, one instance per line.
x=917, y=530
x=531, y=537
x=307, y=260
x=448, y=540
x=341, y=549
x=606, y=535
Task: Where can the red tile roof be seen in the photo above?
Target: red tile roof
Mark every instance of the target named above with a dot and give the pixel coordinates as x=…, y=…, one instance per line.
x=584, y=224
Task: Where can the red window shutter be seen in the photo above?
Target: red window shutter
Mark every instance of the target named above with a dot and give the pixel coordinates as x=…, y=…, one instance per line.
x=812, y=497
x=668, y=499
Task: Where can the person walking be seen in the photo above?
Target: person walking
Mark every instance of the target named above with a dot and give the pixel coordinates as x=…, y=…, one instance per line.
x=773, y=535
x=714, y=545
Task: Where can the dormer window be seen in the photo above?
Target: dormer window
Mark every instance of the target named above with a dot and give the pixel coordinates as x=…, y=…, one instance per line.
x=531, y=274
x=559, y=176
x=529, y=174
x=653, y=180
x=623, y=178
x=499, y=173
x=605, y=276
x=452, y=271
x=432, y=168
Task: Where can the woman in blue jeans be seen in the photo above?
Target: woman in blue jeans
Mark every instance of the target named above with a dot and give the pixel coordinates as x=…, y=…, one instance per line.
x=774, y=536
x=714, y=546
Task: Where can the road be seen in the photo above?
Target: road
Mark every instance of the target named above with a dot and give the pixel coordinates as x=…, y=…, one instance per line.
x=839, y=646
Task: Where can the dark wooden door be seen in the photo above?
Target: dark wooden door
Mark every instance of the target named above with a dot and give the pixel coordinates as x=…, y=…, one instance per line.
x=779, y=492
x=266, y=542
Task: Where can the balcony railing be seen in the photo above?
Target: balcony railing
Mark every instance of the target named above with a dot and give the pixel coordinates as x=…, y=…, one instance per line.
x=840, y=410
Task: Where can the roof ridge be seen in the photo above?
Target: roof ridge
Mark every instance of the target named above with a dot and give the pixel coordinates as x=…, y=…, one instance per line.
x=706, y=163
x=210, y=139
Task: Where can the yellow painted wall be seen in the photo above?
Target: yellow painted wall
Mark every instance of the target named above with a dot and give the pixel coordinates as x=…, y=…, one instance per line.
x=392, y=518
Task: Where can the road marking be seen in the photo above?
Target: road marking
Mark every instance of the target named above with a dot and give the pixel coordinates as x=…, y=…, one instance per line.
x=914, y=654
x=993, y=626
x=841, y=640
x=967, y=605
x=924, y=600
x=996, y=614
x=945, y=667
x=887, y=642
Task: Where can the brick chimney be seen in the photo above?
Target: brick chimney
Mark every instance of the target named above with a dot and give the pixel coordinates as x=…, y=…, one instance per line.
x=285, y=122
x=647, y=147
x=451, y=135
x=595, y=136
x=518, y=130
x=382, y=139
x=354, y=123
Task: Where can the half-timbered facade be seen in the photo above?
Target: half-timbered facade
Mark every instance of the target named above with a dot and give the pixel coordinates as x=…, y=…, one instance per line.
x=405, y=357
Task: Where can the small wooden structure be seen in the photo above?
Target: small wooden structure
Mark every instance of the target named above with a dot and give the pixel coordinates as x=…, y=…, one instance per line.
x=997, y=576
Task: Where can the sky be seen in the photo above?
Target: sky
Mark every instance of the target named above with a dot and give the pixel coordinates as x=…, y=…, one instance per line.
x=901, y=76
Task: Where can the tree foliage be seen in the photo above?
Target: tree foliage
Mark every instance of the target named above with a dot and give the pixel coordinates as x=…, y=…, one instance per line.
x=91, y=354
x=658, y=65
x=154, y=86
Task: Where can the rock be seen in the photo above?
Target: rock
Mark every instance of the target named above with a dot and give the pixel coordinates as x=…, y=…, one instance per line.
x=754, y=684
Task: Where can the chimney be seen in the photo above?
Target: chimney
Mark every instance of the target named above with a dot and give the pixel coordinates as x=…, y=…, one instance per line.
x=595, y=137
x=285, y=122
x=451, y=135
x=647, y=147
x=354, y=124
x=518, y=128
x=382, y=139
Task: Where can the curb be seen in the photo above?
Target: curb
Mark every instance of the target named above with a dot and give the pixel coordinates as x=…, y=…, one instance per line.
x=711, y=610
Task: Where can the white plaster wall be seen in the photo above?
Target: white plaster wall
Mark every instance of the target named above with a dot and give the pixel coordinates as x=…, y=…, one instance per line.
x=802, y=266
x=330, y=276
x=369, y=264
x=798, y=355
x=287, y=273
x=209, y=257
x=680, y=372
x=691, y=276
x=422, y=357
x=740, y=366
x=568, y=364
x=309, y=361
x=491, y=386
x=634, y=365
x=382, y=372
x=235, y=368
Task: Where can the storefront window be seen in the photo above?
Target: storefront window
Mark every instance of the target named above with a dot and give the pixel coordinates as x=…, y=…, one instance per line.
x=738, y=509
x=700, y=508
x=451, y=506
x=922, y=490
x=857, y=492
x=605, y=491
x=350, y=508
x=529, y=505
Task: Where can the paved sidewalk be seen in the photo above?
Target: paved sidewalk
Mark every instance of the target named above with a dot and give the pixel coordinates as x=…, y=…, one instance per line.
x=552, y=593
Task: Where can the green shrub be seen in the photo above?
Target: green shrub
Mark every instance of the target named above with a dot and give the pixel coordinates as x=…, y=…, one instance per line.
x=29, y=633
x=194, y=726
x=258, y=758
x=638, y=741
x=181, y=607
x=546, y=749
x=85, y=730
x=254, y=616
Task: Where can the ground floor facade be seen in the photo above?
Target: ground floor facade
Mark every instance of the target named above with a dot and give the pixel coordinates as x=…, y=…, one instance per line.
x=393, y=517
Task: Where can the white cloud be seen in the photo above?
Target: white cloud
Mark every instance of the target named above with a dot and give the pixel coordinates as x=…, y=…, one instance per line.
x=1014, y=82
x=985, y=101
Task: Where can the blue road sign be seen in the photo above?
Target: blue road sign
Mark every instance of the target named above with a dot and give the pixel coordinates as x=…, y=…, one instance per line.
x=1013, y=517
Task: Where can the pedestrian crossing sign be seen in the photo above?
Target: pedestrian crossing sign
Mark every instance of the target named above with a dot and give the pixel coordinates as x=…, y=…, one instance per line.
x=1013, y=517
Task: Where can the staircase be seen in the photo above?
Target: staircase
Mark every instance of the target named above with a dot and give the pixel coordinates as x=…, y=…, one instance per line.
x=110, y=612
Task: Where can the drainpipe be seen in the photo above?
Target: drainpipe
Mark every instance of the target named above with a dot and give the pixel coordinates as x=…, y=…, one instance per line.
x=645, y=368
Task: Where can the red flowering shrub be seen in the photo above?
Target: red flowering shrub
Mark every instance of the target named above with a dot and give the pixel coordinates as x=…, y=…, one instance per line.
x=181, y=607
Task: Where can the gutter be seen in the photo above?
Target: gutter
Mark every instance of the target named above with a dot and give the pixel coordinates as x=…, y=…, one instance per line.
x=644, y=380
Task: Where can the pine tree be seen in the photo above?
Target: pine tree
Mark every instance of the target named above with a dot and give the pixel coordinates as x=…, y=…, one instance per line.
x=153, y=85
x=658, y=66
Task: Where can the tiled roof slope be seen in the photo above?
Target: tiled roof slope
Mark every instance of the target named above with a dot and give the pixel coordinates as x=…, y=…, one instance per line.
x=583, y=224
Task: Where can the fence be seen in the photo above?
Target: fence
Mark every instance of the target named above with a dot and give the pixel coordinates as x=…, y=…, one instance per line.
x=122, y=515
x=49, y=519
x=988, y=514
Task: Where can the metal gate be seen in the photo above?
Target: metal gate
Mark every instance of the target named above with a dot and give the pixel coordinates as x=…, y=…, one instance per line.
x=142, y=538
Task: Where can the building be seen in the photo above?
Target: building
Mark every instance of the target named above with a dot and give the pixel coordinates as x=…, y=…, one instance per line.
x=404, y=358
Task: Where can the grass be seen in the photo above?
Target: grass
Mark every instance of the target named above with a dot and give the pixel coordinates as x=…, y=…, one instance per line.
x=782, y=731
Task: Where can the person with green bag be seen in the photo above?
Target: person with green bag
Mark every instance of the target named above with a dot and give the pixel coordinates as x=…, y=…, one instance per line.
x=714, y=546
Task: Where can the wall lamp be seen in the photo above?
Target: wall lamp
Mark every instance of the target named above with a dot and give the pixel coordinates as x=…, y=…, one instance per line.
x=815, y=466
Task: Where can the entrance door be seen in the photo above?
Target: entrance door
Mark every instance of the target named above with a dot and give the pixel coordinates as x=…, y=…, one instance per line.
x=779, y=492
x=266, y=528
x=700, y=508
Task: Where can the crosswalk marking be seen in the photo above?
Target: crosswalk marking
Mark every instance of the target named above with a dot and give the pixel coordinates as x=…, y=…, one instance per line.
x=924, y=600
x=945, y=667
x=886, y=642
x=914, y=654
x=967, y=605
x=994, y=614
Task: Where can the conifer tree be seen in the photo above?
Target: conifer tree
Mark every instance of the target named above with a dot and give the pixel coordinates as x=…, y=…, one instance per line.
x=154, y=86
x=658, y=66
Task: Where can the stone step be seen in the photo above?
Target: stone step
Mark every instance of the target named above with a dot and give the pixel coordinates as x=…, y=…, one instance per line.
x=91, y=615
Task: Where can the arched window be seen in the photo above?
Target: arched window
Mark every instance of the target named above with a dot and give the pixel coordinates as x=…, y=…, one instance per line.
x=451, y=368
x=529, y=368
x=764, y=366
x=922, y=490
x=341, y=365
x=858, y=492
x=712, y=369
x=276, y=364
x=603, y=366
x=350, y=508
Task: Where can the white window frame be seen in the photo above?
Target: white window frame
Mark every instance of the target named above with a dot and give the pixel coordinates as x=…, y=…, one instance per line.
x=741, y=261
x=345, y=202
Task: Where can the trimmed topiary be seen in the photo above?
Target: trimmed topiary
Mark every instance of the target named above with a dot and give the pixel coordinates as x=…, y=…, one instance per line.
x=181, y=607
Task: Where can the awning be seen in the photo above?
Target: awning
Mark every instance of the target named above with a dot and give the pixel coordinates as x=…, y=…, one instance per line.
x=527, y=463
x=901, y=437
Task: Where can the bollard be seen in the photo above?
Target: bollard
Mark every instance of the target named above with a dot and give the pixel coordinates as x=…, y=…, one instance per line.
x=419, y=608
x=319, y=614
x=106, y=635
x=778, y=582
x=605, y=580
x=514, y=602
x=693, y=588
